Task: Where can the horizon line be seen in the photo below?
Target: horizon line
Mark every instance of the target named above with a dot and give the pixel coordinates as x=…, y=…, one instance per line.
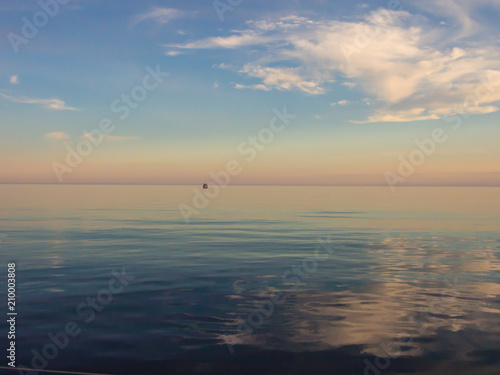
x=268, y=185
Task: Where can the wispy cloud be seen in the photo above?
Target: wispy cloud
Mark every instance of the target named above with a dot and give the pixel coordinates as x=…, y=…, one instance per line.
x=14, y=79
x=459, y=13
x=161, y=15
x=50, y=104
x=253, y=87
x=242, y=39
x=341, y=103
x=173, y=53
x=222, y=66
x=281, y=79
x=415, y=69
x=56, y=135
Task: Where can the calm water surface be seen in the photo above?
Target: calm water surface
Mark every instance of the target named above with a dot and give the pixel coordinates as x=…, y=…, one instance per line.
x=405, y=282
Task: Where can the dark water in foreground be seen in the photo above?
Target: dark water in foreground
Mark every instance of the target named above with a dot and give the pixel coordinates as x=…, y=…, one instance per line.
x=405, y=282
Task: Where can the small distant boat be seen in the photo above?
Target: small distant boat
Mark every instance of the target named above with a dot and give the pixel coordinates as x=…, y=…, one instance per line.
x=205, y=186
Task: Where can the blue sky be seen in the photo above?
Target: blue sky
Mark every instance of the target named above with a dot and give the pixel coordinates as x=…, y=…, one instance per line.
x=365, y=79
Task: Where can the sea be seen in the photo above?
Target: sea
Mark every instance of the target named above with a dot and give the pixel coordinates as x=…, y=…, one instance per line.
x=113, y=279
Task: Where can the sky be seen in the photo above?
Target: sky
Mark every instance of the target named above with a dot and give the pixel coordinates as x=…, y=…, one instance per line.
x=299, y=92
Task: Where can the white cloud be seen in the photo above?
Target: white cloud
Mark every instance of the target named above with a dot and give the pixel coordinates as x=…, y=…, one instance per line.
x=286, y=23
x=281, y=79
x=351, y=85
x=222, y=66
x=161, y=15
x=341, y=103
x=415, y=114
x=51, y=104
x=56, y=135
x=253, y=87
x=241, y=39
x=14, y=80
x=416, y=70
x=173, y=53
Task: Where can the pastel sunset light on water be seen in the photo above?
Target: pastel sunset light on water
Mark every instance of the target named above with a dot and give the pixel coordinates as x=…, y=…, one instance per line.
x=271, y=187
